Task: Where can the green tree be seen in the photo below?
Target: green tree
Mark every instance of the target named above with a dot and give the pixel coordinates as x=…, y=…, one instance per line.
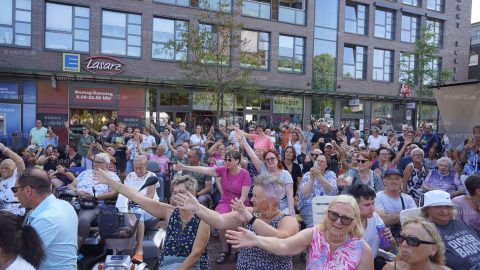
x=214, y=45
x=426, y=71
x=324, y=72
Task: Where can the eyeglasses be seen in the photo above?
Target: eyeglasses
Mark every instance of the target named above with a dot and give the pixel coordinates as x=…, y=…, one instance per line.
x=314, y=155
x=412, y=241
x=104, y=129
x=251, y=130
x=99, y=162
x=334, y=216
x=362, y=161
x=84, y=129
x=228, y=159
x=270, y=159
x=15, y=189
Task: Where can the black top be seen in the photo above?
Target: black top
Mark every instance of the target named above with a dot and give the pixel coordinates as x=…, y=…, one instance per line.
x=327, y=138
x=295, y=173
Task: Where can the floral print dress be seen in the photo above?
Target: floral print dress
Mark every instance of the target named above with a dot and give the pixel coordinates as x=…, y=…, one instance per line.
x=345, y=257
x=414, y=184
x=472, y=165
x=179, y=242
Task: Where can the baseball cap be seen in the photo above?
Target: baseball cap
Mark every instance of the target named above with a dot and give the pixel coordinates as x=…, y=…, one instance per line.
x=393, y=171
x=328, y=144
x=437, y=198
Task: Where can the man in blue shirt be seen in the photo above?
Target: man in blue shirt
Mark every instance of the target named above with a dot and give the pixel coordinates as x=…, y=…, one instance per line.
x=54, y=220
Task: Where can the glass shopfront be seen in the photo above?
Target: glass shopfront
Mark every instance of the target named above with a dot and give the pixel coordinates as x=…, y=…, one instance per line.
x=323, y=109
x=287, y=108
x=382, y=116
x=427, y=114
x=352, y=113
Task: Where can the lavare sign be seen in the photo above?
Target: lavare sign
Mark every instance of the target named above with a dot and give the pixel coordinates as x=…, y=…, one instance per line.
x=103, y=65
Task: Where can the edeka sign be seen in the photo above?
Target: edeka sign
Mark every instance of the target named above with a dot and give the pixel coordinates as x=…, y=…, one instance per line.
x=93, y=97
x=71, y=62
x=103, y=65
x=287, y=105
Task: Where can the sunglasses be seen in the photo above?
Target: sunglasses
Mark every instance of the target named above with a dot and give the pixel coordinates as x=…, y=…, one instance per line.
x=334, y=216
x=270, y=159
x=15, y=189
x=98, y=162
x=314, y=155
x=251, y=130
x=412, y=241
x=228, y=159
x=362, y=161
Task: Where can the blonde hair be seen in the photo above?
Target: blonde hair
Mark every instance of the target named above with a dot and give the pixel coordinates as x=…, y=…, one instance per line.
x=189, y=181
x=439, y=256
x=358, y=230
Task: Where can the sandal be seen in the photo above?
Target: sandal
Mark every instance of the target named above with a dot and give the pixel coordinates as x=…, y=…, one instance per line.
x=222, y=257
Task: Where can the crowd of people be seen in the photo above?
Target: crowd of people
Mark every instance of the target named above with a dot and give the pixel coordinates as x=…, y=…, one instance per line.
x=252, y=187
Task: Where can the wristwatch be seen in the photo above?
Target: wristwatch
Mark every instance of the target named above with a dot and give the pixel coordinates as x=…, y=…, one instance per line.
x=252, y=220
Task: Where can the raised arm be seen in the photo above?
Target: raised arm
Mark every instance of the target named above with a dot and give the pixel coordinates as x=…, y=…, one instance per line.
x=154, y=207
x=13, y=156
x=198, y=169
x=290, y=246
x=253, y=157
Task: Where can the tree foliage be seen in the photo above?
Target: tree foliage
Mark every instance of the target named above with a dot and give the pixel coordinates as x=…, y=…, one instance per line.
x=324, y=72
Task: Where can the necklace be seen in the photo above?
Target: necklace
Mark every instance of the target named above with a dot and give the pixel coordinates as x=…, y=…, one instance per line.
x=335, y=244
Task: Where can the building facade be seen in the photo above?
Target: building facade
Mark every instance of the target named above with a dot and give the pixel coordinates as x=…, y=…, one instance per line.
x=89, y=61
x=474, y=66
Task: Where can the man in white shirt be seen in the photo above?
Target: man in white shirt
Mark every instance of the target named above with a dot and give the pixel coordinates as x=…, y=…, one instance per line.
x=9, y=169
x=376, y=140
x=148, y=142
x=37, y=134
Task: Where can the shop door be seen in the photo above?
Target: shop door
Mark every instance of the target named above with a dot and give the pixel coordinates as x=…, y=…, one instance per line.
x=175, y=118
x=252, y=118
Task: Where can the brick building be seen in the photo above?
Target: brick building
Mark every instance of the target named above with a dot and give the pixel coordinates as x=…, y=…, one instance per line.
x=474, y=66
x=88, y=61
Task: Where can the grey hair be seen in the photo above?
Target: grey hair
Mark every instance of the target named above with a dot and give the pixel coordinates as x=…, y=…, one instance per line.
x=445, y=159
x=417, y=150
x=272, y=186
x=103, y=157
x=189, y=181
x=141, y=159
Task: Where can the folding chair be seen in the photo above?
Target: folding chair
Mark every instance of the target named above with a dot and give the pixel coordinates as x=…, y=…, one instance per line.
x=319, y=206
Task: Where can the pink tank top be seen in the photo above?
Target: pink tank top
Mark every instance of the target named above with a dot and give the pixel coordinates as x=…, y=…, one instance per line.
x=346, y=256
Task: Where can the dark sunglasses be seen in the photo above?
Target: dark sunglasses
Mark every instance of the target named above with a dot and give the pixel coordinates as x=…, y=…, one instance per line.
x=228, y=159
x=314, y=155
x=251, y=130
x=412, y=241
x=15, y=189
x=362, y=161
x=334, y=216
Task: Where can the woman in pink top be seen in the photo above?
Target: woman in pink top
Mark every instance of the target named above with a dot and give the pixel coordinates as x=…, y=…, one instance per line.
x=334, y=244
x=235, y=183
x=468, y=206
x=260, y=140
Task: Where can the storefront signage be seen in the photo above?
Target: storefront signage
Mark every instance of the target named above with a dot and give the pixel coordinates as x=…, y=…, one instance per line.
x=205, y=101
x=103, y=65
x=71, y=62
x=288, y=105
x=8, y=90
x=354, y=102
x=91, y=96
x=130, y=121
x=54, y=120
x=410, y=105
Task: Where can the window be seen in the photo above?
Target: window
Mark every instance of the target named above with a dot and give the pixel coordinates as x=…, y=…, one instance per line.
x=382, y=65
x=291, y=54
x=409, y=28
x=354, y=62
x=168, y=39
x=407, y=63
x=216, y=42
x=411, y=2
x=258, y=9
x=121, y=33
x=436, y=28
x=255, y=49
x=174, y=2
x=216, y=5
x=16, y=22
x=436, y=5
x=355, y=18
x=432, y=68
x=67, y=28
x=384, y=24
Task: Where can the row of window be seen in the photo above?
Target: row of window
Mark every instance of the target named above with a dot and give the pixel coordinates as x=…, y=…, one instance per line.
x=436, y=5
x=355, y=64
x=67, y=29
x=356, y=22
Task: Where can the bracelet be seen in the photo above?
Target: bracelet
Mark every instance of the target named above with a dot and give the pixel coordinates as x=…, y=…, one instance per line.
x=252, y=220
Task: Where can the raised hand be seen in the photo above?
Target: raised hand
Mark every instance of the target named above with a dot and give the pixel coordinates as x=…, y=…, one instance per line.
x=241, y=238
x=178, y=167
x=100, y=177
x=238, y=206
x=186, y=201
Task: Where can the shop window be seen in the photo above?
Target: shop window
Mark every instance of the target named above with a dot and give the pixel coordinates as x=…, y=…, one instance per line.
x=67, y=28
x=121, y=33
x=382, y=115
x=322, y=108
x=166, y=32
x=174, y=99
x=16, y=22
x=352, y=106
x=259, y=103
x=92, y=118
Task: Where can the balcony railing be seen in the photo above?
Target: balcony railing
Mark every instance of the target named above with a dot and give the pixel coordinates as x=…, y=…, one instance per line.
x=475, y=40
x=291, y=15
x=256, y=9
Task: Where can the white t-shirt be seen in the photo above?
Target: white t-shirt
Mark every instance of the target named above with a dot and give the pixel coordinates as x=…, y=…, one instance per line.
x=20, y=263
x=147, y=142
x=196, y=139
x=135, y=182
x=393, y=205
x=287, y=179
x=85, y=182
x=371, y=235
x=353, y=140
x=375, y=143
x=232, y=138
x=8, y=201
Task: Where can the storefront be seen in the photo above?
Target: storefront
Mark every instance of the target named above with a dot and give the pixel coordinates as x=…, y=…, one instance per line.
x=17, y=111
x=382, y=116
x=427, y=114
x=353, y=113
x=323, y=109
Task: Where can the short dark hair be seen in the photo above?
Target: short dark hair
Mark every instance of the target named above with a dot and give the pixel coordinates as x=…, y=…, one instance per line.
x=37, y=179
x=359, y=191
x=234, y=154
x=472, y=183
x=197, y=152
x=73, y=146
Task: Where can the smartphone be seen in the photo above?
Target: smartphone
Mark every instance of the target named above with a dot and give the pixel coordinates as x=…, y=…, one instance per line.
x=315, y=164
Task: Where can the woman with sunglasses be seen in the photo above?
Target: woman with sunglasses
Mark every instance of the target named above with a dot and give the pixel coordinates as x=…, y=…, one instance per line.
x=336, y=243
x=317, y=182
x=420, y=247
x=234, y=183
x=461, y=241
x=363, y=174
x=271, y=165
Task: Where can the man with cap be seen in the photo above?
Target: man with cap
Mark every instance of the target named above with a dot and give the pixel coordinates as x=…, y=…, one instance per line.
x=330, y=153
x=391, y=201
x=462, y=243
